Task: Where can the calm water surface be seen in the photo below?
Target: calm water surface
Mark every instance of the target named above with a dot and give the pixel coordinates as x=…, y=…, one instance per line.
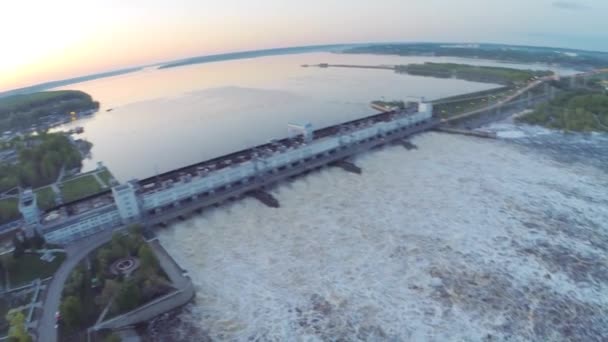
x=164, y=119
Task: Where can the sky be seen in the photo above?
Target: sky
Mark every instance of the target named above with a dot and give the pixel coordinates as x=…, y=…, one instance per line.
x=50, y=40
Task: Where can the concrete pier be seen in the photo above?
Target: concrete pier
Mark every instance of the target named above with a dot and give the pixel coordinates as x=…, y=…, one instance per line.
x=347, y=166
x=408, y=145
x=473, y=133
x=265, y=198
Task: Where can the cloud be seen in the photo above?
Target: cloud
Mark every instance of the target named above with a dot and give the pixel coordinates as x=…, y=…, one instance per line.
x=569, y=5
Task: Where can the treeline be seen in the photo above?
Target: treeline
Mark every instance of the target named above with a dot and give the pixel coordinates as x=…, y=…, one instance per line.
x=40, y=159
x=22, y=111
x=572, y=111
x=498, y=75
x=584, y=59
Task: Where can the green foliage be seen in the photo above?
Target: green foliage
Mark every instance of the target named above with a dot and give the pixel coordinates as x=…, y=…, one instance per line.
x=45, y=198
x=19, y=249
x=40, y=160
x=17, y=331
x=21, y=111
x=71, y=311
x=80, y=187
x=147, y=258
x=106, y=176
x=121, y=246
x=129, y=296
x=111, y=289
x=121, y=293
x=491, y=52
x=472, y=72
x=394, y=103
x=37, y=241
x=9, y=210
x=75, y=282
x=112, y=338
x=572, y=111
x=29, y=267
x=7, y=262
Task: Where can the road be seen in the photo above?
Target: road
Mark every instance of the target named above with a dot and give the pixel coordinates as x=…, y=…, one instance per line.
x=75, y=253
x=500, y=102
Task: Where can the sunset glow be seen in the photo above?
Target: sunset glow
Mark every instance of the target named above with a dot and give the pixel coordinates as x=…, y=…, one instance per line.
x=44, y=41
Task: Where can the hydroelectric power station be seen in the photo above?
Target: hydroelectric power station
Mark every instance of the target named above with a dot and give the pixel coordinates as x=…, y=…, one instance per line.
x=177, y=193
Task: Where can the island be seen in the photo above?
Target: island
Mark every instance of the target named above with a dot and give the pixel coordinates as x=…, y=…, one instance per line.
x=571, y=58
x=467, y=72
x=19, y=113
x=474, y=73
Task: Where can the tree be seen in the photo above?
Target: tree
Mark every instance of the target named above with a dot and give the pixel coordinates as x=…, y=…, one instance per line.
x=37, y=240
x=117, y=246
x=129, y=296
x=147, y=258
x=112, y=338
x=110, y=290
x=136, y=230
x=71, y=311
x=75, y=283
x=17, y=331
x=7, y=262
x=19, y=249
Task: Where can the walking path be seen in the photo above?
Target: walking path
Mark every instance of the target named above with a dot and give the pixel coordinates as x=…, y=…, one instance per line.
x=599, y=122
x=183, y=293
x=99, y=180
x=75, y=253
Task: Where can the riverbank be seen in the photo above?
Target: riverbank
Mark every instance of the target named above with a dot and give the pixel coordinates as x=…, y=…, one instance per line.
x=579, y=110
x=43, y=110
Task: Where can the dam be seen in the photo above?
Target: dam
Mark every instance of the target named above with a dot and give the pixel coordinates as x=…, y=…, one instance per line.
x=180, y=192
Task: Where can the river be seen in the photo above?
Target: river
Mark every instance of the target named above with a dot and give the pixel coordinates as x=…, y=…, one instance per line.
x=463, y=239
x=164, y=119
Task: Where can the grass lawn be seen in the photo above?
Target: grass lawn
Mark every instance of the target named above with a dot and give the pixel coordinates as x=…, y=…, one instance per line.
x=29, y=267
x=9, y=210
x=447, y=110
x=79, y=187
x=45, y=197
x=106, y=176
x=3, y=311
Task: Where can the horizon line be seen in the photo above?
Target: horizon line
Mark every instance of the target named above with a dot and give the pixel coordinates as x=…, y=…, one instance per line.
x=176, y=62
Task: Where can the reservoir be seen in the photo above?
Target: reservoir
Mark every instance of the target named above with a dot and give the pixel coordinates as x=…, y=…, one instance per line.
x=463, y=239
x=164, y=119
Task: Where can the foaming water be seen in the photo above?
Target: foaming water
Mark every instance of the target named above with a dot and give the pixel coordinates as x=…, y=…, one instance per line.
x=462, y=239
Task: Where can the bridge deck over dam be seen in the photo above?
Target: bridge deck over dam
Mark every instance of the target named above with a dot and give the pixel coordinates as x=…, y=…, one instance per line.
x=176, y=193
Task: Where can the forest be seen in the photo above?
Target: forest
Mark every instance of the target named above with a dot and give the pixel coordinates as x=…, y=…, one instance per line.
x=19, y=112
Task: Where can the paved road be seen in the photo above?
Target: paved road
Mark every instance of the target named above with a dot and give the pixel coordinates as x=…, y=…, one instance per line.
x=499, y=103
x=75, y=253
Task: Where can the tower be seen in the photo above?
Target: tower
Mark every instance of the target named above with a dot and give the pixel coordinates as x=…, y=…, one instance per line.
x=425, y=107
x=126, y=201
x=28, y=206
x=304, y=130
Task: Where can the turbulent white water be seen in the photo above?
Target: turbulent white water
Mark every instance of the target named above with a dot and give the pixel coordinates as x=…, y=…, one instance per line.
x=462, y=239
